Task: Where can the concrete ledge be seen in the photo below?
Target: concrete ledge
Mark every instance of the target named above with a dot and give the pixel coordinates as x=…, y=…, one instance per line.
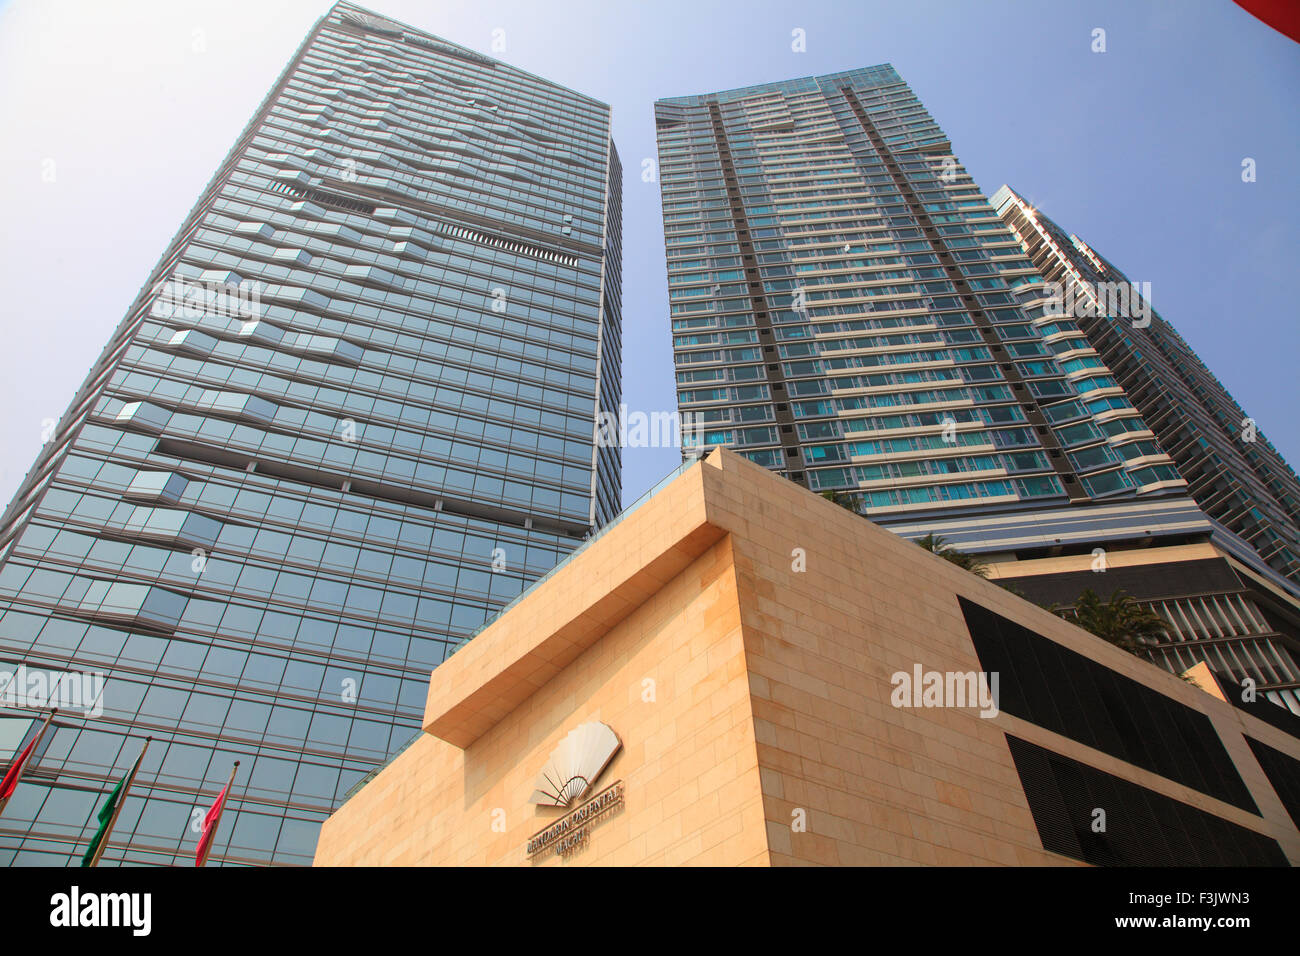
x=533, y=641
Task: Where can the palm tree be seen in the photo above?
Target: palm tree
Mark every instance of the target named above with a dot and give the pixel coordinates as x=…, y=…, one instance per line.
x=1121, y=621
x=937, y=544
x=843, y=500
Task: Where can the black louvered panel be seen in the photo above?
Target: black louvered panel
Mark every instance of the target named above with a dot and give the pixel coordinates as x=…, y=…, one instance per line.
x=1142, y=827
x=1051, y=686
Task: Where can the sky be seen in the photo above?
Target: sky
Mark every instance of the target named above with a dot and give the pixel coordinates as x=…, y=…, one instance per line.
x=113, y=117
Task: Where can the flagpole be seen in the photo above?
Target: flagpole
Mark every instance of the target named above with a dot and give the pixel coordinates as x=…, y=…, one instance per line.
x=108, y=831
x=217, y=822
x=35, y=746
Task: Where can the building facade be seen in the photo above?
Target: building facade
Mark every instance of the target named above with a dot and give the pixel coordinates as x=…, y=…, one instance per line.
x=1233, y=472
x=349, y=417
x=1216, y=605
x=703, y=688
x=849, y=310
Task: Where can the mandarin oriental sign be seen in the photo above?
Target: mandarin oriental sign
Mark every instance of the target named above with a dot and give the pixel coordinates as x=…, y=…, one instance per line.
x=570, y=831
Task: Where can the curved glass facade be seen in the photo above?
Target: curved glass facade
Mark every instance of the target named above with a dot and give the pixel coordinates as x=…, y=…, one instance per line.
x=349, y=418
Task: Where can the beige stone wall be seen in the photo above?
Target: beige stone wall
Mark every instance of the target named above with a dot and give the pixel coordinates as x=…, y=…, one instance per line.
x=688, y=759
x=877, y=785
x=882, y=785
x=1137, y=557
x=772, y=703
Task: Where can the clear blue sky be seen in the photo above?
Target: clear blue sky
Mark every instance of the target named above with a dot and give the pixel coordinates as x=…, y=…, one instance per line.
x=1138, y=150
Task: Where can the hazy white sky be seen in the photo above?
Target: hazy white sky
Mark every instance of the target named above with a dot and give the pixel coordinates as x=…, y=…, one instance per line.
x=136, y=102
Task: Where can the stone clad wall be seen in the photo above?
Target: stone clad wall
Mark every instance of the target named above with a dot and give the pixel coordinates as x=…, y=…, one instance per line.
x=877, y=785
x=887, y=786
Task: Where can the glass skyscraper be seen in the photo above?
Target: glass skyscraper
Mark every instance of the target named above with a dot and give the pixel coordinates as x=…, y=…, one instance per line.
x=849, y=310
x=1233, y=472
x=349, y=417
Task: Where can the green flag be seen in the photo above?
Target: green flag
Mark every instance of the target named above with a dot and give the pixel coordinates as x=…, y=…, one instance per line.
x=106, y=813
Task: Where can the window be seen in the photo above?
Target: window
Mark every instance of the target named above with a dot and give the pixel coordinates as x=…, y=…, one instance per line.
x=1143, y=827
x=1072, y=695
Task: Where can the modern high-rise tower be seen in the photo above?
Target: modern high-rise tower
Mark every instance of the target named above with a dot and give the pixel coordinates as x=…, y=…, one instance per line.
x=1234, y=473
x=350, y=416
x=849, y=311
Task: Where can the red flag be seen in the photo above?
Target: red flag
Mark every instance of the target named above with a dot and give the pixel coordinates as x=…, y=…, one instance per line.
x=10, y=781
x=210, y=821
x=1282, y=15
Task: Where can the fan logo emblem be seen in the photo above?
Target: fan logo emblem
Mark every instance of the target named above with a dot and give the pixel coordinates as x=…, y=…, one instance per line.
x=568, y=777
x=575, y=765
